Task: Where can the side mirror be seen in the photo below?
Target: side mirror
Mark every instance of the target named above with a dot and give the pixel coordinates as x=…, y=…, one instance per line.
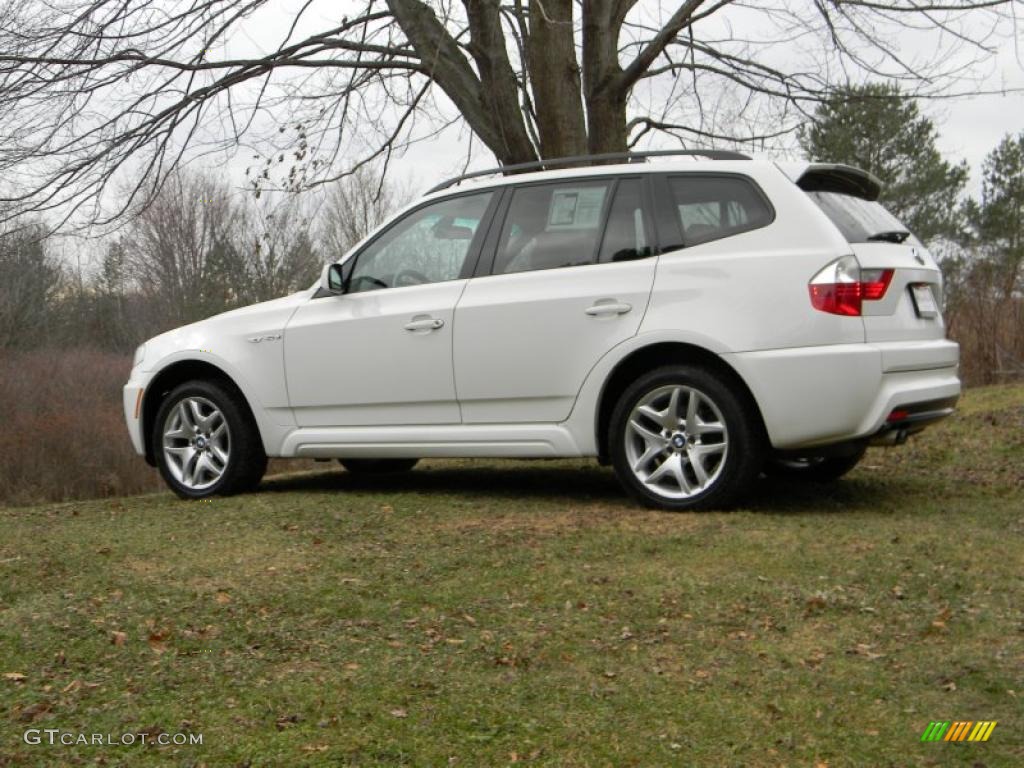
x=331, y=280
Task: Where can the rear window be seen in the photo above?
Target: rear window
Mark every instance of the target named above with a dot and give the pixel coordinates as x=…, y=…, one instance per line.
x=713, y=207
x=860, y=220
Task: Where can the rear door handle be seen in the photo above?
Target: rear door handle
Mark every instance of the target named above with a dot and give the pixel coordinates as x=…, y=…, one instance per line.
x=608, y=307
x=424, y=323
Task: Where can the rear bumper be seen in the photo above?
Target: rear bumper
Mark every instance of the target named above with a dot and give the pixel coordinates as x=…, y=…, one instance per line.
x=814, y=396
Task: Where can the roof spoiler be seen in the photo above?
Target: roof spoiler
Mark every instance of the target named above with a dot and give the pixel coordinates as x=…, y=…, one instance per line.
x=836, y=177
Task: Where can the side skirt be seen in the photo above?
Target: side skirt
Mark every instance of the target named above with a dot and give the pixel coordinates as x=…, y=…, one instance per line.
x=432, y=441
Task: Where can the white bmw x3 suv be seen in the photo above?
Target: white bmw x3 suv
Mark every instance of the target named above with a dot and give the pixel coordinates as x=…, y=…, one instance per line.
x=693, y=321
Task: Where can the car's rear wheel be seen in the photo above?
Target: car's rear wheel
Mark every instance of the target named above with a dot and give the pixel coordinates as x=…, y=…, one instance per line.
x=206, y=443
x=682, y=438
x=377, y=466
x=816, y=469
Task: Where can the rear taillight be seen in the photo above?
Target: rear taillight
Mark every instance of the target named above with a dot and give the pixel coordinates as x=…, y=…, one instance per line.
x=842, y=286
x=875, y=282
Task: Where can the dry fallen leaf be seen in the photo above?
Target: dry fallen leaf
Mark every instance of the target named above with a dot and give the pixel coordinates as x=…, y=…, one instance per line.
x=223, y=597
x=399, y=713
x=156, y=641
x=940, y=620
x=15, y=677
x=118, y=638
x=286, y=721
x=34, y=711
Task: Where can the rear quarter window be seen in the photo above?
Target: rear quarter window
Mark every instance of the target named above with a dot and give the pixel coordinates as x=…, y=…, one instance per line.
x=711, y=207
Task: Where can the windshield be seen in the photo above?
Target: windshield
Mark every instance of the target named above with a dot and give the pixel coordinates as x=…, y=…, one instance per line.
x=860, y=220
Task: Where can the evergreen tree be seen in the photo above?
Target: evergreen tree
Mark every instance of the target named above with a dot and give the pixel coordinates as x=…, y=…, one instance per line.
x=996, y=222
x=878, y=129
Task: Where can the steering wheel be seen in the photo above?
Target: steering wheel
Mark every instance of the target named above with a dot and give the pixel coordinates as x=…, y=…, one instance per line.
x=372, y=280
x=417, y=277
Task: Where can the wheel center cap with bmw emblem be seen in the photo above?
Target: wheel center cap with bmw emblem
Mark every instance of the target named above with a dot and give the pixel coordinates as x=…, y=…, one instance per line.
x=678, y=442
x=201, y=443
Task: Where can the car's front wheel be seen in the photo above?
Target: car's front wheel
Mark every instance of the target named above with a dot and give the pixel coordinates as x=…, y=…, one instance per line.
x=206, y=443
x=683, y=438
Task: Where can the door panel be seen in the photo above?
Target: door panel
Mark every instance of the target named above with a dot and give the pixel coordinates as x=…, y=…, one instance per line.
x=374, y=358
x=572, y=275
x=382, y=353
x=525, y=342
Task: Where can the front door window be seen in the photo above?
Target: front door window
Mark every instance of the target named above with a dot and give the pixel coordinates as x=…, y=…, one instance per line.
x=429, y=245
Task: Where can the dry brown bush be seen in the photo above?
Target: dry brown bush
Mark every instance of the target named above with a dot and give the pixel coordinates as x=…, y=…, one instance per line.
x=63, y=431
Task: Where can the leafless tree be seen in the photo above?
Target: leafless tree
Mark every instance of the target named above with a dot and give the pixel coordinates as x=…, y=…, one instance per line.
x=278, y=251
x=93, y=89
x=181, y=247
x=355, y=206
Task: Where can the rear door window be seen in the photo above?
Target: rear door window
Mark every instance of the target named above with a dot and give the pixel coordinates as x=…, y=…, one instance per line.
x=712, y=207
x=627, y=234
x=552, y=225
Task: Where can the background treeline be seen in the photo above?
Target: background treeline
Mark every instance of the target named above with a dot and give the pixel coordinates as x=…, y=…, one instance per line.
x=195, y=247
x=67, y=332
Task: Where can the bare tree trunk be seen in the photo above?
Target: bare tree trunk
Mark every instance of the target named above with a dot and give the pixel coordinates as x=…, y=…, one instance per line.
x=603, y=84
x=555, y=79
x=499, y=89
x=489, y=105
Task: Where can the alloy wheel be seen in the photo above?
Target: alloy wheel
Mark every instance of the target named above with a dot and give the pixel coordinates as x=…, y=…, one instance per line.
x=676, y=441
x=196, y=443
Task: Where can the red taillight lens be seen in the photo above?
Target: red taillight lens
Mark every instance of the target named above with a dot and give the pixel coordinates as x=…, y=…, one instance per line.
x=875, y=282
x=842, y=287
x=837, y=298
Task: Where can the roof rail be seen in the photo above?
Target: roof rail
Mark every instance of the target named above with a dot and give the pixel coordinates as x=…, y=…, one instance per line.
x=628, y=157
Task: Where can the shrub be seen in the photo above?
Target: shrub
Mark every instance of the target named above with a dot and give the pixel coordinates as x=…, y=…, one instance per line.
x=64, y=433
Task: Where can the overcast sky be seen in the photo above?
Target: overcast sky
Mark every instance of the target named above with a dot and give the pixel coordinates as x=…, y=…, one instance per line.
x=969, y=127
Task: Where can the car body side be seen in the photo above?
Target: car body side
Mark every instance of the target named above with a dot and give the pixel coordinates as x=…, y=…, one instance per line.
x=740, y=302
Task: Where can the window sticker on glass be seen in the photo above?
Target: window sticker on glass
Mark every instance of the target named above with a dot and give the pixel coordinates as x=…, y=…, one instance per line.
x=578, y=208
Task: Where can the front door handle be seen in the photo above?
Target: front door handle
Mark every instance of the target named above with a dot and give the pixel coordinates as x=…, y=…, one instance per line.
x=608, y=307
x=424, y=323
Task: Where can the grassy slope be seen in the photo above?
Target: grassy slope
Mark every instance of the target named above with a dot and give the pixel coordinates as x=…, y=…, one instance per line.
x=487, y=613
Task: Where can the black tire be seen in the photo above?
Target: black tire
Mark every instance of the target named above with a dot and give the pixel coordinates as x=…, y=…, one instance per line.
x=377, y=466
x=246, y=460
x=731, y=477
x=815, y=469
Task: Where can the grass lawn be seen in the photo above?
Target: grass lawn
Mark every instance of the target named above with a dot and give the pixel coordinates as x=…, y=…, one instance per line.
x=491, y=613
